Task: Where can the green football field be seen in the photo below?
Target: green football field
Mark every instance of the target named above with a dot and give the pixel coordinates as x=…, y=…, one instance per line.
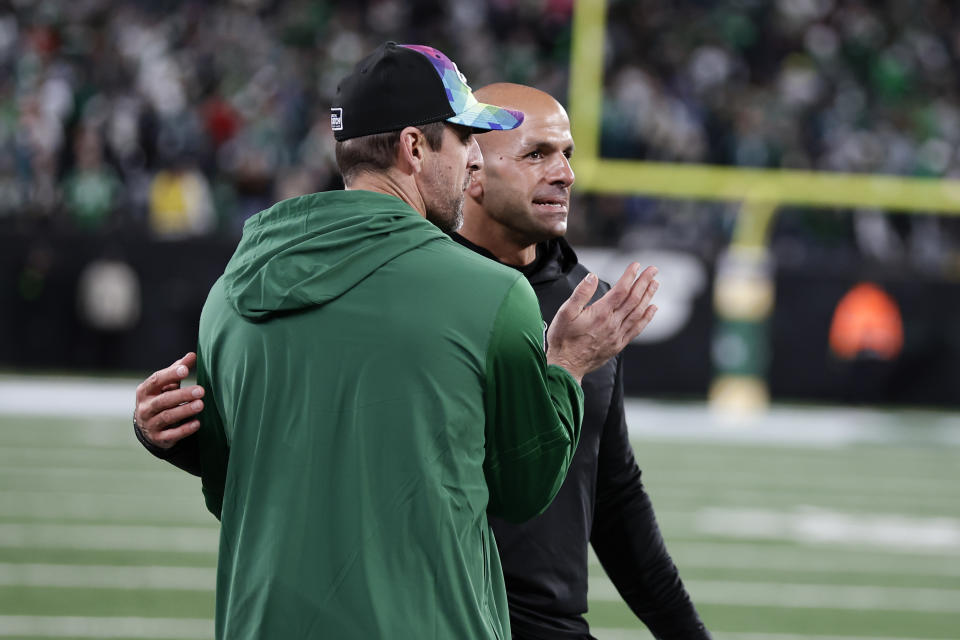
x=809, y=524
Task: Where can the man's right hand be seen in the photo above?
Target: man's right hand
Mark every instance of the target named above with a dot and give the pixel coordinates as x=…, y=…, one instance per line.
x=164, y=414
x=583, y=336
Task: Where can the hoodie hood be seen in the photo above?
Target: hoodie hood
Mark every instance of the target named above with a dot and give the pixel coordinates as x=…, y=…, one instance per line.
x=307, y=251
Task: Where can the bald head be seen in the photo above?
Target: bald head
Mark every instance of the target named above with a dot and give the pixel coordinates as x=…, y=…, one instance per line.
x=521, y=196
x=507, y=94
x=537, y=106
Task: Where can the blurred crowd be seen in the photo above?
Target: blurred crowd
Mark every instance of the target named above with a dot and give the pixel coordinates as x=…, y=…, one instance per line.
x=185, y=117
x=826, y=85
x=836, y=85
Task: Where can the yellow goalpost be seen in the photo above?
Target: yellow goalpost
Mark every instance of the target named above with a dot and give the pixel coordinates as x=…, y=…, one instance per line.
x=743, y=293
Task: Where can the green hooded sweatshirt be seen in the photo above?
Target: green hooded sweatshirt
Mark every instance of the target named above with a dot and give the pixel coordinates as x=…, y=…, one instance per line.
x=374, y=389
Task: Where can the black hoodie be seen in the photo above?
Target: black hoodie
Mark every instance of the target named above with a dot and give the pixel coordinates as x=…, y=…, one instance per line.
x=602, y=501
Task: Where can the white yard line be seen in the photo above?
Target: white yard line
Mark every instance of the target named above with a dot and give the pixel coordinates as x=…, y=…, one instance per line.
x=56, y=506
x=110, y=538
x=827, y=482
x=805, y=596
x=66, y=397
x=29, y=475
x=117, y=449
x=821, y=426
x=610, y=633
x=103, y=628
x=107, y=577
x=807, y=559
x=692, y=496
x=814, y=525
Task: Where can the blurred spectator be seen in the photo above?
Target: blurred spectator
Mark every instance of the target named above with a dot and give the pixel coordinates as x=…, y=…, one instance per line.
x=91, y=190
x=180, y=202
x=12, y=197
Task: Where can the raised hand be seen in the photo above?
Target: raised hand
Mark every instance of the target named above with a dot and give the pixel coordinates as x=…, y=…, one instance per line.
x=583, y=336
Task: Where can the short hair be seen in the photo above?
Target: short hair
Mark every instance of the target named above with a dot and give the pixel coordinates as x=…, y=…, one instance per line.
x=378, y=152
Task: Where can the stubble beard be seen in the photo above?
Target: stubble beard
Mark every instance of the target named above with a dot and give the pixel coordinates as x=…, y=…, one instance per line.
x=447, y=216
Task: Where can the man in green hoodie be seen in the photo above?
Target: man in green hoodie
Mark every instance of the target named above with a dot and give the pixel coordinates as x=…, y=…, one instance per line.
x=374, y=389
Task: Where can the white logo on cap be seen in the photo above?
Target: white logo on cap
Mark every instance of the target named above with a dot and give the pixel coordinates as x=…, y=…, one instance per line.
x=336, y=118
x=462, y=77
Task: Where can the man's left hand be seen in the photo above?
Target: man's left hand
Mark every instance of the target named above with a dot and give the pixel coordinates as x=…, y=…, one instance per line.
x=164, y=413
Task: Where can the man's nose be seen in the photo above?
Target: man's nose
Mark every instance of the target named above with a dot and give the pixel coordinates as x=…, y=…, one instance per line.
x=474, y=157
x=561, y=172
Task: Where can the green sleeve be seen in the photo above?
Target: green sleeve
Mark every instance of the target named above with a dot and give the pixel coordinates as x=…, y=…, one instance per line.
x=214, y=450
x=533, y=412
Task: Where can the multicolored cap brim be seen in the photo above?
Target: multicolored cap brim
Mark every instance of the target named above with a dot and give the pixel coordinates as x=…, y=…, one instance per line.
x=468, y=111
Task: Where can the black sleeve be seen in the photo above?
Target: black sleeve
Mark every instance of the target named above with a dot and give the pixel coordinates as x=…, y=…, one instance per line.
x=183, y=455
x=627, y=539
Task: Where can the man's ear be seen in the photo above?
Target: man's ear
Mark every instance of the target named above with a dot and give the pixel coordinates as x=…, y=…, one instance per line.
x=475, y=188
x=410, y=150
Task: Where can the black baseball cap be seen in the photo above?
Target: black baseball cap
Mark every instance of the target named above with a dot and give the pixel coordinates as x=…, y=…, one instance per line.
x=403, y=85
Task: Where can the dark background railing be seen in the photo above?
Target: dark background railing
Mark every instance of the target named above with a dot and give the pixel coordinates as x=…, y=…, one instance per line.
x=43, y=329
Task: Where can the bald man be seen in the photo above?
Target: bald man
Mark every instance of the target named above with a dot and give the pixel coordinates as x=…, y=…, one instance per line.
x=516, y=213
